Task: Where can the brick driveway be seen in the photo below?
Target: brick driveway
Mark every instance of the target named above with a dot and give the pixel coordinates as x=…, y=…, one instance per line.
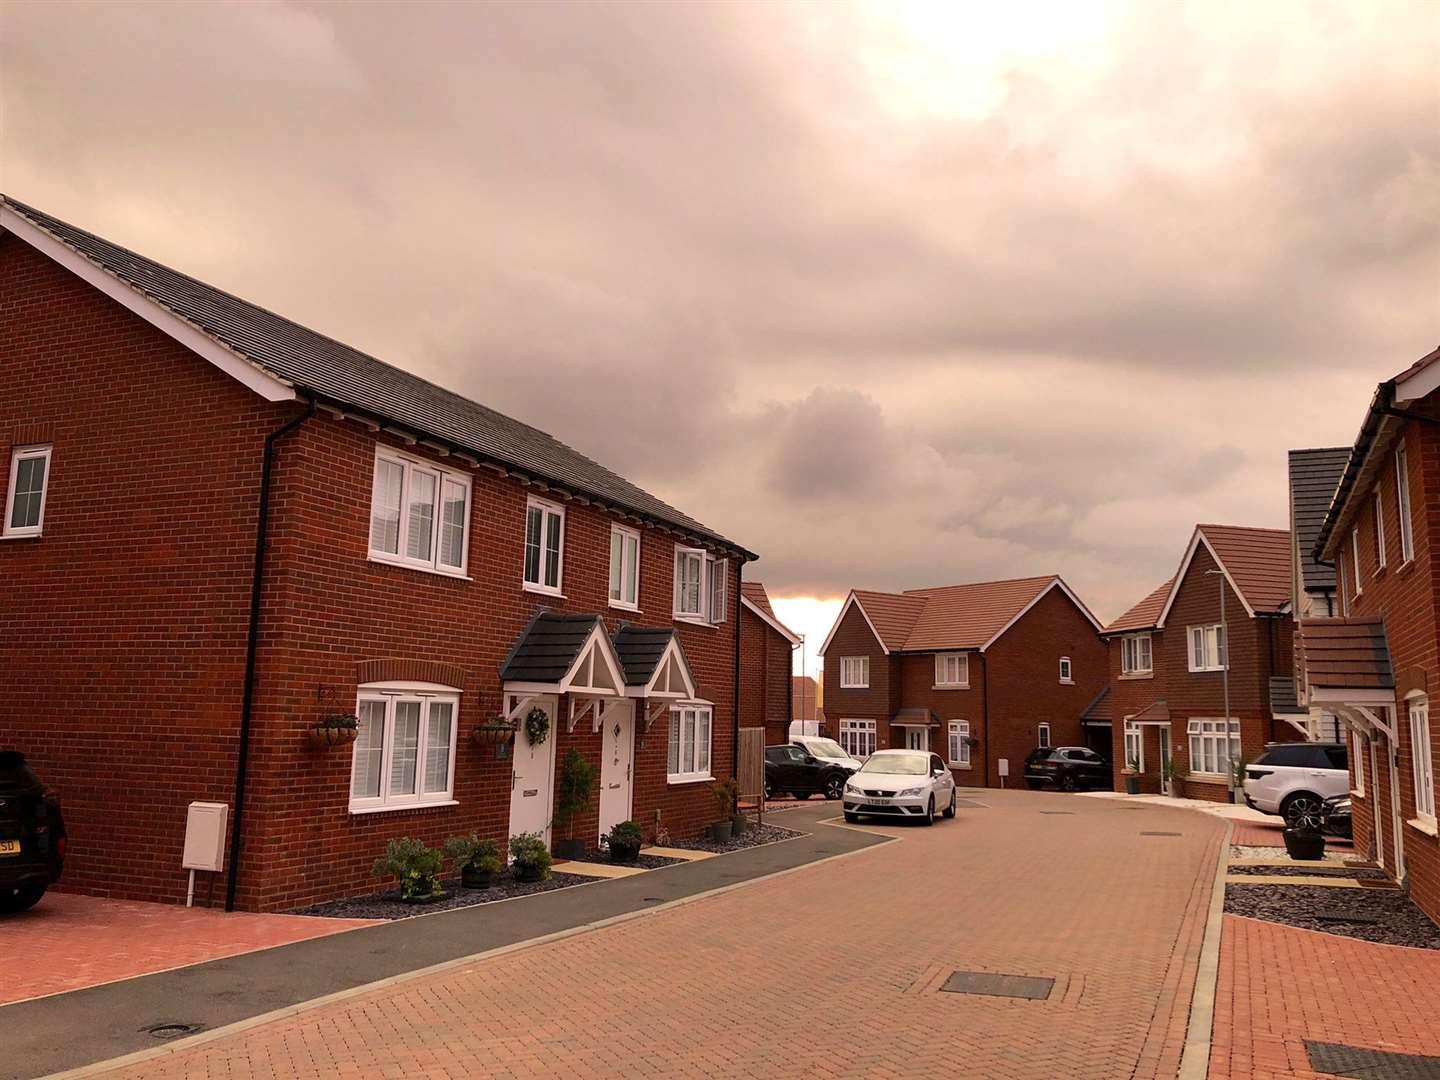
x=830, y=970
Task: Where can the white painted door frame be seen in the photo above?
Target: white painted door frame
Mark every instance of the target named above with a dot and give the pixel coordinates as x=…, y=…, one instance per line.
x=544, y=789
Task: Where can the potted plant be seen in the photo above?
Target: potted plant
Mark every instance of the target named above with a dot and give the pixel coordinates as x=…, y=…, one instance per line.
x=1132, y=776
x=478, y=860
x=417, y=867
x=572, y=795
x=1170, y=776
x=334, y=730
x=495, y=730
x=529, y=857
x=624, y=841
x=726, y=791
x=1304, y=842
x=1237, y=780
x=738, y=823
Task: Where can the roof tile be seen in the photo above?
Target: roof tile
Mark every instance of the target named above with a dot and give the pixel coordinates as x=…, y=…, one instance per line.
x=1258, y=561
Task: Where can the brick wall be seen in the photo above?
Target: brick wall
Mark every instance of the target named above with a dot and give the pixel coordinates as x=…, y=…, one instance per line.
x=1129, y=694
x=853, y=637
x=765, y=658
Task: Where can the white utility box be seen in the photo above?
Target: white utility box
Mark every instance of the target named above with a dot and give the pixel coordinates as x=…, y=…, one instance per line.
x=1003, y=766
x=205, y=836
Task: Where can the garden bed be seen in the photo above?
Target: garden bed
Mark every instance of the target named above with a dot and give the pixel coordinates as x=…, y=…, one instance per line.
x=755, y=836
x=387, y=904
x=1383, y=916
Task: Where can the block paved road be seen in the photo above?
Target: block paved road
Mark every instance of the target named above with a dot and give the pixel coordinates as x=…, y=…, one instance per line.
x=832, y=970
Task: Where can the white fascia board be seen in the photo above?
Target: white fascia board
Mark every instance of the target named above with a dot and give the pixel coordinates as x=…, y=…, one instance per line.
x=240, y=368
x=853, y=599
x=673, y=653
x=774, y=624
x=1423, y=382
x=598, y=642
x=1195, y=542
x=1327, y=695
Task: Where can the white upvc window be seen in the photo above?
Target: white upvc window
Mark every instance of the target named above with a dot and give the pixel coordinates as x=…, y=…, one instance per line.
x=701, y=586
x=1418, y=706
x=1357, y=761
x=960, y=742
x=854, y=672
x=404, y=751
x=857, y=738
x=1355, y=560
x=25, y=491
x=1066, y=670
x=1379, y=530
x=1207, y=647
x=624, y=568
x=1214, y=744
x=544, y=546
x=1135, y=655
x=952, y=671
x=1042, y=735
x=419, y=514
x=688, y=757
x=1402, y=505
x=1134, y=747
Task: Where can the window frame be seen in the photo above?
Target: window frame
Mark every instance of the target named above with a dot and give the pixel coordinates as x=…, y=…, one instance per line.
x=1131, y=643
x=1042, y=736
x=624, y=534
x=391, y=694
x=547, y=510
x=676, y=730
x=1205, y=730
x=1213, y=635
x=855, y=735
x=941, y=659
x=30, y=452
x=847, y=682
x=1136, y=732
x=1422, y=764
x=408, y=464
x=1067, y=671
x=958, y=743
x=1357, y=757
x=713, y=586
x=1379, y=530
x=1402, y=505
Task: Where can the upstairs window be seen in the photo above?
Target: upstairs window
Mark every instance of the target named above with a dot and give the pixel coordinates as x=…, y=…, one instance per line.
x=544, y=546
x=1402, y=504
x=701, y=586
x=25, y=493
x=1379, y=530
x=1135, y=655
x=419, y=514
x=952, y=671
x=624, y=567
x=854, y=672
x=1207, y=648
x=1066, y=672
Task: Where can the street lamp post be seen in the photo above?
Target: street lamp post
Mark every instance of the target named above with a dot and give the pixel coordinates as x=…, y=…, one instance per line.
x=1225, y=682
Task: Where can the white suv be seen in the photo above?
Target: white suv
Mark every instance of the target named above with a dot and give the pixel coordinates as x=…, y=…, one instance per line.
x=1294, y=780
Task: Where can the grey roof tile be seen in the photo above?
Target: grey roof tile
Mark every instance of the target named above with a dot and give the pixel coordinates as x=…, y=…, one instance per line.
x=640, y=649
x=547, y=647
x=1314, y=476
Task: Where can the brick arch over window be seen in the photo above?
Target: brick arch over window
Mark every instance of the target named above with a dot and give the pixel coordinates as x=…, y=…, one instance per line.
x=391, y=669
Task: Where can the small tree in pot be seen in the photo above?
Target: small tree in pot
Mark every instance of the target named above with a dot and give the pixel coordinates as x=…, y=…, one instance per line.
x=624, y=841
x=530, y=857
x=572, y=797
x=726, y=791
x=415, y=865
x=478, y=860
x=1170, y=776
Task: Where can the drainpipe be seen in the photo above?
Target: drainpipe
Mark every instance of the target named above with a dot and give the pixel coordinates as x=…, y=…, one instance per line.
x=735, y=691
x=252, y=640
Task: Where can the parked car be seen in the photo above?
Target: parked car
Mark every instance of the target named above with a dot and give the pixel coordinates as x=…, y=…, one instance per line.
x=802, y=774
x=32, y=835
x=826, y=750
x=1293, y=780
x=1335, y=816
x=1069, y=768
x=901, y=783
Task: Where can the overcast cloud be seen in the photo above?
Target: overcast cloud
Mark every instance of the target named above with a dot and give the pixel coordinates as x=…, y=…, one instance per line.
x=895, y=295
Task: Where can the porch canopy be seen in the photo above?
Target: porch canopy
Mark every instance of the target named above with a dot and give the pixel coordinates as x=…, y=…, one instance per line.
x=655, y=668
x=559, y=653
x=1156, y=714
x=1347, y=671
x=915, y=717
x=1099, y=712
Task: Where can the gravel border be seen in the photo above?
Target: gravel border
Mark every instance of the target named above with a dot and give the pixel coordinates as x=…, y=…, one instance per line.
x=1301, y=869
x=641, y=862
x=1253, y=851
x=755, y=836
x=1399, y=922
x=387, y=905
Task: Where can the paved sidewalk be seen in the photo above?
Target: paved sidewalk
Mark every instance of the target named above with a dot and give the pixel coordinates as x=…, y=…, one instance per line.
x=1279, y=986
x=836, y=966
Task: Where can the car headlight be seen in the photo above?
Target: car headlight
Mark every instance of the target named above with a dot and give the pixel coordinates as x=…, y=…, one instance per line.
x=910, y=791
x=851, y=788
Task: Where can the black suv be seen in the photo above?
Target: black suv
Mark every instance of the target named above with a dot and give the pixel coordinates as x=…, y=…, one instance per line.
x=1069, y=768
x=792, y=769
x=32, y=835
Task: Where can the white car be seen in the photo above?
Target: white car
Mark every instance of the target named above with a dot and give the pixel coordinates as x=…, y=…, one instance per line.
x=827, y=750
x=901, y=783
x=1294, y=780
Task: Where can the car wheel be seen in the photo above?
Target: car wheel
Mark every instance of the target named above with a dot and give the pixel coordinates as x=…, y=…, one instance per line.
x=853, y=819
x=1034, y=785
x=950, y=810
x=929, y=818
x=802, y=795
x=834, y=787
x=21, y=897
x=769, y=790
x=1302, y=810
x=1066, y=782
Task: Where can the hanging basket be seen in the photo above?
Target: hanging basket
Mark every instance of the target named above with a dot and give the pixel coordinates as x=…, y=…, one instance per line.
x=333, y=731
x=494, y=732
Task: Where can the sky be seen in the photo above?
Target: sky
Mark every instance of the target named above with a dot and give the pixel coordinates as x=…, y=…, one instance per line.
x=894, y=294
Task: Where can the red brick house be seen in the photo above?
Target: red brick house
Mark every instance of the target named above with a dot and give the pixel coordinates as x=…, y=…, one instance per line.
x=222, y=528
x=805, y=696
x=981, y=674
x=1226, y=611
x=1377, y=664
x=766, y=649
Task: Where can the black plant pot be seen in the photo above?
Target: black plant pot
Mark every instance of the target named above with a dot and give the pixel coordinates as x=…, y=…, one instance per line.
x=569, y=849
x=425, y=896
x=624, y=853
x=1132, y=785
x=1304, y=844
x=738, y=824
x=720, y=832
x=476, y=879
x=528, y=874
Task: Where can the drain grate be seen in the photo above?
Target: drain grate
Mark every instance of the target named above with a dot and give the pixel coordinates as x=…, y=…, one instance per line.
x=1144, y=832
x=989, y=984
x=170, y=1030
x=1346, y=915
x=1337, y=1059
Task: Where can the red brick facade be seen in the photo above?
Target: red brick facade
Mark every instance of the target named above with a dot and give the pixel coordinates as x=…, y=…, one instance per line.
x=122, y=638
x=765, y=659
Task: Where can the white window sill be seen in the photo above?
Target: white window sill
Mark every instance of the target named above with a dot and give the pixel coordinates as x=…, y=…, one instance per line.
x=634, y=609
x=853, y=686
x=1067, y=682
x=1359, y=793
x=543, y=590
x=688, y=778
x=695, y=620
x=385, y=560
x=356, y=811
x=1423, y=825
x=960, y=765
x=937, y=686
x=1207, y=778
x=1130, y=675
x=1206, y=670
x=21, y=536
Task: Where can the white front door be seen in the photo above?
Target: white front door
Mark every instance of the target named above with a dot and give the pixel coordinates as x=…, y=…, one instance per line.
x=917, y=738
x=617, y=751
x=532, y=779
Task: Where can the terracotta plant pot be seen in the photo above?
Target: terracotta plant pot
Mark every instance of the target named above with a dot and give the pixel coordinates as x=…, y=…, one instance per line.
x=320, y=736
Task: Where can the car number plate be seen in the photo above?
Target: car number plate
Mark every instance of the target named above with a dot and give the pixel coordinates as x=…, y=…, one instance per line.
x=9, y=847
x=880, y=802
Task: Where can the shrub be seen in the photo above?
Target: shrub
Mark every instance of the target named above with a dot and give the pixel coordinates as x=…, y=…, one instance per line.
x=528, y=849
x=416, y=865
x=482, y=855
x=726, y=792
x=627, y=834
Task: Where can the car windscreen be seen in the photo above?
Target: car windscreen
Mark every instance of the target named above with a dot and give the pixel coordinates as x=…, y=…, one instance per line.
x=826, y=748
x=898, y=764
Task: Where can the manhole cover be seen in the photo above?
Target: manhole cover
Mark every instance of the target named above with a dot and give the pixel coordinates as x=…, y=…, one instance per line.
x=1346, y=916
x=171, y=1030
x=1030, y=987
x=1337, y=1059
x=1146, y=833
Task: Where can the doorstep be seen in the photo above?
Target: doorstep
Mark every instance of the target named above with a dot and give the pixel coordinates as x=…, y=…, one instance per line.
x=596, y=869
x=681, y=853
x=1318, y=881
